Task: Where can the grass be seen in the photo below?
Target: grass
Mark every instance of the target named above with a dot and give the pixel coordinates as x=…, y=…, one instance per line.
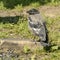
x=53, y=28
x=18, y=28
x=20, y=4
x=21, y=29
x=2, y=6
x=11, y=29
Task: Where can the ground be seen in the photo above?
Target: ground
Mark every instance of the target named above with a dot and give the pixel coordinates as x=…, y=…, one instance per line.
x=10, y=32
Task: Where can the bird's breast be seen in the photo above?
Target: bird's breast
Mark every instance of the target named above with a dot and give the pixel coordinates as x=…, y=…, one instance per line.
x=36, y=30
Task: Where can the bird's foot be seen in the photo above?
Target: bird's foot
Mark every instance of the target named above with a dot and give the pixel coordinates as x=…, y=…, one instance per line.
x=45, y=44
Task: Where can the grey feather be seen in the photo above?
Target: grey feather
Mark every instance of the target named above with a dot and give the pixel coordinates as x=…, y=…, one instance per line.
x=36, y=25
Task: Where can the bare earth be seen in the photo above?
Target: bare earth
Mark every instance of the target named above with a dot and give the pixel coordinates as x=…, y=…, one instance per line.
x=48, y=11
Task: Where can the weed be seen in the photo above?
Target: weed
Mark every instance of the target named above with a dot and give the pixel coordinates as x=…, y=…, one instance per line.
x=26, y=49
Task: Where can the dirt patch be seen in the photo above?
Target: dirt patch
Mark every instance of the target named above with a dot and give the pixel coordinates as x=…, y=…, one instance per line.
x=18, y=44
x=50, y=11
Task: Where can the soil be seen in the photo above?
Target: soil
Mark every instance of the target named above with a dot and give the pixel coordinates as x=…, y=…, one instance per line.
x=48, y=11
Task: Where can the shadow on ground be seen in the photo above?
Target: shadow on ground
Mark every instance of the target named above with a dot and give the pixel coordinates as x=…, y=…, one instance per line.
x=9, y=19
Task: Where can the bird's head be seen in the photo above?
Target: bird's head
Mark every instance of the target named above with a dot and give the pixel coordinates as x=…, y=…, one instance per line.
x=33, y=11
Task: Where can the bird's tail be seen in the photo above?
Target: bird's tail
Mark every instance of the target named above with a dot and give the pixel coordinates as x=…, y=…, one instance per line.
x=46, y=41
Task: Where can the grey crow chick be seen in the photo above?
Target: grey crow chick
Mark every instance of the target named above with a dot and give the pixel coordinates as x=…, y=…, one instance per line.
x=37, y=26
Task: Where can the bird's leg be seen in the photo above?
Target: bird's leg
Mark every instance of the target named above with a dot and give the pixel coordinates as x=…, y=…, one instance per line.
x=35, y=39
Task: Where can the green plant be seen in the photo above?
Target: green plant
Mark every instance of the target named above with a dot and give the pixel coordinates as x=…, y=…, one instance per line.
x=33, y=57
x=53, y=48
x=19, y=8
x=2, y=6
x=26, y=49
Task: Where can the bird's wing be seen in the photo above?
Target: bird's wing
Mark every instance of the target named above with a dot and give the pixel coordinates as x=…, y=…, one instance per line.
x=36, y=24
x=42, y=33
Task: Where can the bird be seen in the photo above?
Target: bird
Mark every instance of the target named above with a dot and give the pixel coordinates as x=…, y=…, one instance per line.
x=37, y=26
